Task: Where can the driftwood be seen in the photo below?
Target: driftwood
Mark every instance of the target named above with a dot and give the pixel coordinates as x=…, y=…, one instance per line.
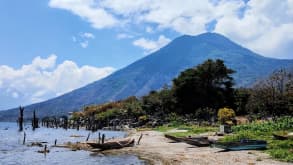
x=76, y=136
x=139, y=139
x=196, y=141
x=73, y=146
x=113, y=144
x=44, y=151
x=38, y=144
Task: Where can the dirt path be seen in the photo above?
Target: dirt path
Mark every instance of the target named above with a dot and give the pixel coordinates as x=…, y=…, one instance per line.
x=159, y=150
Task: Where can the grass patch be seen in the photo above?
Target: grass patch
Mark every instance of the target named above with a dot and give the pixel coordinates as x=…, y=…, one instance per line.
x=278, y=149
x=144, y=129
x=190, y=129
x=163, y=128
x=281, y=154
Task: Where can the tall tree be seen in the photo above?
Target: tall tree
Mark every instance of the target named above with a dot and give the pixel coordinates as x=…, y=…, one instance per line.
x=241, y=96
x=272, y=96
x=207, y=85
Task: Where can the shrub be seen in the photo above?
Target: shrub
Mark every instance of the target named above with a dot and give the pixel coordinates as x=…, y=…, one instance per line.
x=174, y=119
x=76, y=115
x=109, y=114
x=143, y=118
x=226, y=114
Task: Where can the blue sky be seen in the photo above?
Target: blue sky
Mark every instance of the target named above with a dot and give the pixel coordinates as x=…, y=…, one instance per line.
x=50, y=47
x=31, y=28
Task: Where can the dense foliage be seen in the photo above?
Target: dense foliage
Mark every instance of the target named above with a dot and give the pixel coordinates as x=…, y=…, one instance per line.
x=207, y=85
x=196, y=96
x=197, y=91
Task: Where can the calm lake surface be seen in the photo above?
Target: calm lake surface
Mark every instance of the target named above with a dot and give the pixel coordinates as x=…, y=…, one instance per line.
x=12, y=152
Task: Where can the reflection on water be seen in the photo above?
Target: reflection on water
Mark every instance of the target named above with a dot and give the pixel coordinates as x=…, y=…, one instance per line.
x=13, y=152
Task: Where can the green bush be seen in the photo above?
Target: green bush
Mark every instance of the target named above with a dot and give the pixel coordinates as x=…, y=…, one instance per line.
x=226, y=114
x=109, y=114
x=175, y=119
x=283, y=123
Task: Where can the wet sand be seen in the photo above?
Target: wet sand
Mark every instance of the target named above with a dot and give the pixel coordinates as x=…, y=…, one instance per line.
x=160, y=150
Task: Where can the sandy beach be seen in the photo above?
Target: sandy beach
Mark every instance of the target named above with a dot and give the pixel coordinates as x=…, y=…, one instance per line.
x=160, y=150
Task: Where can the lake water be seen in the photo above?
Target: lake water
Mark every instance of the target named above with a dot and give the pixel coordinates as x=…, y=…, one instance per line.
x=12, y=152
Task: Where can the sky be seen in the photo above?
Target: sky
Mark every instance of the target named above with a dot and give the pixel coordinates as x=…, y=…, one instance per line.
x=51, y=47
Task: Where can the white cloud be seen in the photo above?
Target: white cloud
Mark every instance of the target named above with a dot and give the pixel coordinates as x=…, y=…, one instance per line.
x=124, y=36
x=88, y=10
x=43, y=79
x=149, y=29
x=83, y=39
x=261, y=25
x=87, y=35
x=74, y=39
x=151, y=46
x=48, y=63
x=265, y=27
x=15, y=95
x=84, y=44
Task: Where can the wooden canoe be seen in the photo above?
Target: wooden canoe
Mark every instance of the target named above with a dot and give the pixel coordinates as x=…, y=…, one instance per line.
x=196, y=141
x=244, y=144
x=282, y=137
x=113, y=144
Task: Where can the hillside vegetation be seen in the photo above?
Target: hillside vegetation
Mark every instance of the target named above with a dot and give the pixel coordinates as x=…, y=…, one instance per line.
x=158, y=69
x=196, y=96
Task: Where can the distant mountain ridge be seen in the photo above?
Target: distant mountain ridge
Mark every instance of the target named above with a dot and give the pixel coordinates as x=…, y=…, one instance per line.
x=159, y=68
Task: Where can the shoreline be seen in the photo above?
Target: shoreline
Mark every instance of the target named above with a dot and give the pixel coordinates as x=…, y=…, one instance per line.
x=156, y=149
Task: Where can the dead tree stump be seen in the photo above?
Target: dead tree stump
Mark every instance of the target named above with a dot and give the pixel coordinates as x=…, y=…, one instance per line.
x=20, y=118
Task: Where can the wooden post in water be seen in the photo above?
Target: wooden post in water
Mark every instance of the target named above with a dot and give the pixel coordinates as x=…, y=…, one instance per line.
x=103, y=138
x=46, y=122
x=99, y=137
x=24, y=136
x=45, y=149
x=55, y=122
x=20, y=118
x=78, y=124
x=88, y=136
x=66, y=123
x=35, y=122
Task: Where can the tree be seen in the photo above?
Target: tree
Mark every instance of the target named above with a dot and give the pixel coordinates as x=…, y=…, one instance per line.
x=226, y=114
x=159, y=103
x=241, y=96
x=272, y=96
x=207, y=85
x=133, y=108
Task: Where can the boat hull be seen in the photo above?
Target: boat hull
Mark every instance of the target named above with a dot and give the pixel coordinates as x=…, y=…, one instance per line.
x=243, y=145
x=282, y=137
x=198, y=141
x=113, y=144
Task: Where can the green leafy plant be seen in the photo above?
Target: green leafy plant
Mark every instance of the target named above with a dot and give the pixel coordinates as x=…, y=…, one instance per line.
x=226, y=114
x=263, y=130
